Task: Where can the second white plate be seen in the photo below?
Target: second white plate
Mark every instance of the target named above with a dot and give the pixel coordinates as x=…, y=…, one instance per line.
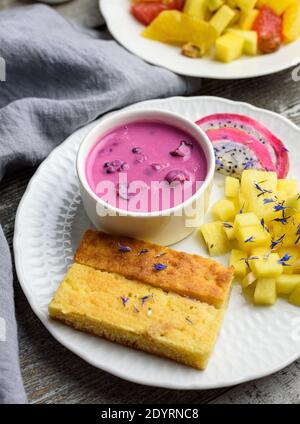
x=127, y=31
x=254, y=342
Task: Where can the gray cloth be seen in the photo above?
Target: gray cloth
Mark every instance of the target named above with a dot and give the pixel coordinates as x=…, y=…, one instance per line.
x=59, y=77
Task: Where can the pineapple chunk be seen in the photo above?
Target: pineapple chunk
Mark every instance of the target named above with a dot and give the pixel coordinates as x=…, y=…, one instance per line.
x=290, y=231
x=260, y=251
x=248, y=280
x=286, y=284
x=215, y=238
x=252, y=236
x=288, y=187
x=228, y=227
x=294, y=254
x=266, y=267
x=214, y=5
x=265, y=292
x=237, y=261
x=257, y=186
x=246, y=5
x=247, y=19
x=243, y=203
x=250, y=40
x=224, y=210
x=229, y=47
x=295, y=296
x=291, y=22
x=222, y=19
x=232, y=186
x=196, y=8
x=278, y=6
x=245, y=220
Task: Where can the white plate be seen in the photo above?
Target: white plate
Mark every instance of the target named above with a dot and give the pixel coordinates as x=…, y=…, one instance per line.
x=127, y=31
x=50, y=221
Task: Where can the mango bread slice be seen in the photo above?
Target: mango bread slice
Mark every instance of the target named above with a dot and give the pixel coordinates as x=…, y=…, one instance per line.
x=185, y=274
x=137, y=315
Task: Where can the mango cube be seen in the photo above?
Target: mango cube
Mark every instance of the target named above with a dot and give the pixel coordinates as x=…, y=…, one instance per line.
x=266, y=266
x=237, y=261
x=224, y=210
x=229, y=47
x=250, y=40
x=232, y=186
x=215, y=238
x=278, y=6
x=265, y=292
x=214, y=5
x=291, y=22
x=222, y=19
x=260, y=251
x=247, y=19
x=286, y=284
x=295, y=296
x=196, y=8
x=246, y=5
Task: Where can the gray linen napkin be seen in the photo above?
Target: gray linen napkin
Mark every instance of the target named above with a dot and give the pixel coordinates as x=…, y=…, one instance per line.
x=59, y=77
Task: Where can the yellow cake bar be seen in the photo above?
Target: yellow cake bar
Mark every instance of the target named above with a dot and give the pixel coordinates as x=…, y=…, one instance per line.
x=137, y=315
x=188, y=275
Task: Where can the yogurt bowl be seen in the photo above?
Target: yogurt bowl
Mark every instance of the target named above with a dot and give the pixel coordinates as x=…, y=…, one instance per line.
x=146, y=174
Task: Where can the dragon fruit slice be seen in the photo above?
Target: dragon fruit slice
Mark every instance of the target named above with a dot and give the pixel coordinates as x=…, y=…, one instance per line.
x=236, y=151
x=256, y=130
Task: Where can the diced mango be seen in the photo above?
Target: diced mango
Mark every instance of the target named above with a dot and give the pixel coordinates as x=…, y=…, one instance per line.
x=248, y=280
x=224, y=210
x=232, y=186
x=291, y=22
x=222, y=18
x=196, y=8
x=294, y=257
x=236, y=18
x=215, y=238
x=229, y=47
x=265, y=292
x=295, y=296
x=286, y=284
x=288, y=232
x=237, y=261
x=278, y=6
x=266, y=267
x=246, y=5
x=252, y=236
x=247, y=19
x=214, y=5
x=228, y=227
x=250, y=40
x=243, y=203
x=232, y=3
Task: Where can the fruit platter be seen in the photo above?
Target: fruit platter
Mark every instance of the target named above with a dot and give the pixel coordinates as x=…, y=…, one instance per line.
x=198, y=37
x=232, y=27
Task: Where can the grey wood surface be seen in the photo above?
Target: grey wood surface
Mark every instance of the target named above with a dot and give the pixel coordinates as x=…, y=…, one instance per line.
x=52, y=374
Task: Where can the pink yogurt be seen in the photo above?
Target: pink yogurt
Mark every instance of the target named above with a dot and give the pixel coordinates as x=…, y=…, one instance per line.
x=145, y=167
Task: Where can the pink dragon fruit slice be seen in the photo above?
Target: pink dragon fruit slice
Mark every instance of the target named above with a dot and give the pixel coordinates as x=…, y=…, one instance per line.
x=236, y=151
x=256, y=130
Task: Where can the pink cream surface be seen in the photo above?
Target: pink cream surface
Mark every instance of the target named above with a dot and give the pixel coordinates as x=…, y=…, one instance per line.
x=133, y=167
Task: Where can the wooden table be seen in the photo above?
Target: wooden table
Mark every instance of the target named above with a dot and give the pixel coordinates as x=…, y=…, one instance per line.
x=52, y=374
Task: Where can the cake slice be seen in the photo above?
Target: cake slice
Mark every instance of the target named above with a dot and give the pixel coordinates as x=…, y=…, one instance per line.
x=137, y=314
x=188, y=275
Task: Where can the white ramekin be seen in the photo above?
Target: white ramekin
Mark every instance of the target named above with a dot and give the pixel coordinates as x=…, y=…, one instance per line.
x=163, y=227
